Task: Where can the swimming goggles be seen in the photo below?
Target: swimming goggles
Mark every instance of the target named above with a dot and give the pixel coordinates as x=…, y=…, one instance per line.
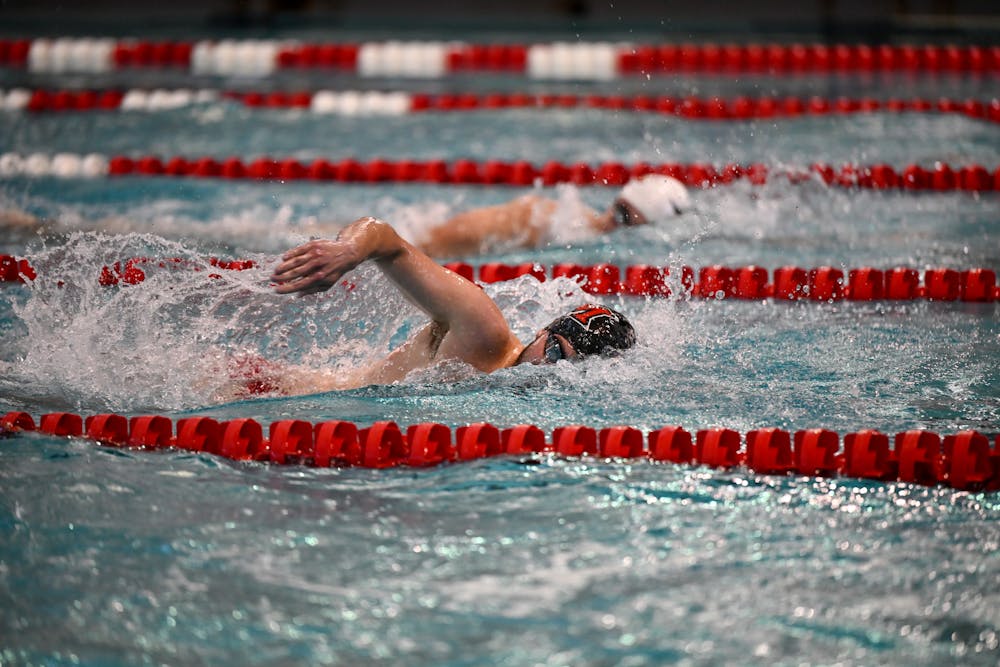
x=622, y=216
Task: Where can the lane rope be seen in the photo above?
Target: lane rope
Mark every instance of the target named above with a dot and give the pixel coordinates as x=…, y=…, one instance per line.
x=787, y=283
x=438, y=59
x=963, y=460
x=397, y=103
x=940, y=177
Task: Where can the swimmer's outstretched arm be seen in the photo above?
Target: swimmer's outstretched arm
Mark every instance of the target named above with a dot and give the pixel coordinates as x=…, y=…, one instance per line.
x=467, y=324
x=522, y=222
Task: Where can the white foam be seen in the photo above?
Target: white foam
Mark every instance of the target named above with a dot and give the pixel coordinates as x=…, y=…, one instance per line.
x=103, y=346
x=570, y=218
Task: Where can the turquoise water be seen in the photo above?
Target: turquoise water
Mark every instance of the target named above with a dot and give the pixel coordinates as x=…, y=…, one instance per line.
x=130, y=557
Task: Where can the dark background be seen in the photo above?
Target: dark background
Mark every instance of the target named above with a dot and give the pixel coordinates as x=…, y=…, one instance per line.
x=872, y=21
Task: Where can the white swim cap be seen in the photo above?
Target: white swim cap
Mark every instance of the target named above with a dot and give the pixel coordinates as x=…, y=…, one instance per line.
x=657, y=197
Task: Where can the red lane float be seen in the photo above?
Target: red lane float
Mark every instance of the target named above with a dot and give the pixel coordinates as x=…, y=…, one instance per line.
x=150, y=431
x=522, y=439
x=789, y=283
x=718, y=448
x=920, y=457
x=374, y=103
x=14, y=270
x=429, y=445
x=15, y=422
x=964, y=460
x=620, y=442
x=61, y=424
x=672, y=444
x=199, y=434
x=107, y=429
x=769, y=451
x=332, y=441
x=477, y=441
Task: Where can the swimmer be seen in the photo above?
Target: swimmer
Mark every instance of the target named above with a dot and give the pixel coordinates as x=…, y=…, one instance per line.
x=466, y=325
x=526, y=222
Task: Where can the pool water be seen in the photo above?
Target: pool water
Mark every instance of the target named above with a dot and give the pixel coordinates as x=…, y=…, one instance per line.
x=113, y=556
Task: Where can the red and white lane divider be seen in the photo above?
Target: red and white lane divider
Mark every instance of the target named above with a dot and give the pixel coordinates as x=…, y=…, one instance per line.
x=437, y=59
x=964, y=460
x=940, y=177
x=787, y=283
x=375, y=103
x=39, y=100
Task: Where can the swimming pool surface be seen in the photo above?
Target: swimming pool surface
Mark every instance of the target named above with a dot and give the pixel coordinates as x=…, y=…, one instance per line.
x=112, y=556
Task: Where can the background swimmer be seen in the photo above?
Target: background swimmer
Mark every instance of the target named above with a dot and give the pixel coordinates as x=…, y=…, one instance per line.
x=528, y=221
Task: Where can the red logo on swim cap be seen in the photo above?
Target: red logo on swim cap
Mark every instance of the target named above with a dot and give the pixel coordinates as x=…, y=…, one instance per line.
x=584, y=315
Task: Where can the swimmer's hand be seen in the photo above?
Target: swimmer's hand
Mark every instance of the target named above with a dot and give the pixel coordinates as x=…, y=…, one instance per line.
x=316, y=266
x=313, y=267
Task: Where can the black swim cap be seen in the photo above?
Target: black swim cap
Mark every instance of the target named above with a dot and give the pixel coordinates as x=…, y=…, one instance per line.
x=593, y=329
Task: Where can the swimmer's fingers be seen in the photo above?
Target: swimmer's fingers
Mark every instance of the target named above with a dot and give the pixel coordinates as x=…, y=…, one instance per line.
x=316, y=255
x=299, y=250
x=294, y=262
x=313, y=275
x=306, y=251
x=315, y=266
x=299, y=268
x=310, y=283
x=289, y=271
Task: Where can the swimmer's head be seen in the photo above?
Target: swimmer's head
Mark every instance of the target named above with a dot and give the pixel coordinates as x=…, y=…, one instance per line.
x=586, y=330
x=650, y=199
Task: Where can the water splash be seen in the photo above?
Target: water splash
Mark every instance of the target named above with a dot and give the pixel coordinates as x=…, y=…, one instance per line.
x=165, y=342
x=170, y=342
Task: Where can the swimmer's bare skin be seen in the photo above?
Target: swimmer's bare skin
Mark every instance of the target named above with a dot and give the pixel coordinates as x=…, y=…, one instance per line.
x=520, y=223
x=22, y=223
x=17, y=219
x=465, y=323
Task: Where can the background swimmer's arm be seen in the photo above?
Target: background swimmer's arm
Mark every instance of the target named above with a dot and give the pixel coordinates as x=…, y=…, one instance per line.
x=471, y=326
x=520, y=222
